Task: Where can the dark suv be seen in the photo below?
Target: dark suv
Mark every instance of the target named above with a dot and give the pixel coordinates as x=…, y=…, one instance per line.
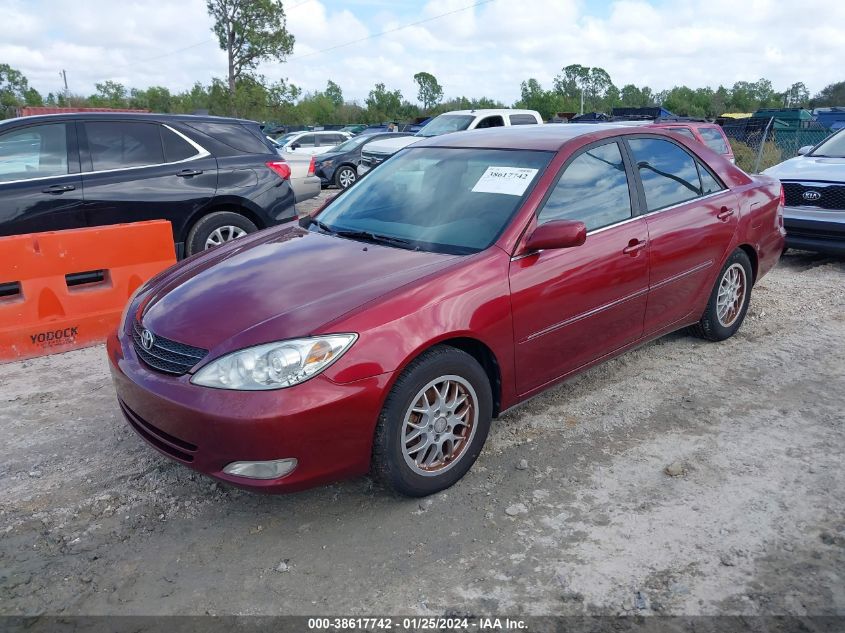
x=213, y=178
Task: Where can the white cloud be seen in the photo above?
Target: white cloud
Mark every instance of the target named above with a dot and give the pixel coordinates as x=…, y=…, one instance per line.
x=488, y=50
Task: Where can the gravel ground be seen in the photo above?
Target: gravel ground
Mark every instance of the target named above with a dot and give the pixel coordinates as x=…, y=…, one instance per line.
x=569, y=509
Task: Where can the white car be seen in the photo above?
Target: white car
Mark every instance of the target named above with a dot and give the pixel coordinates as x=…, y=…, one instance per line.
x=304, y=182
x=455, y=121
x=311, y=143
x=814, y=192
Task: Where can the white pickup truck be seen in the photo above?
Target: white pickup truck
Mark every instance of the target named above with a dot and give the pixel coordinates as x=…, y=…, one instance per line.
x=377, y=152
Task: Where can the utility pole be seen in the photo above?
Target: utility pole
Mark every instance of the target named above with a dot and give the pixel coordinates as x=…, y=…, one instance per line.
x=582, y=101
x=64, y=77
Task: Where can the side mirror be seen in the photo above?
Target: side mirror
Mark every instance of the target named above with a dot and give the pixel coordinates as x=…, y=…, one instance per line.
x=802, y=151
x=557, y=234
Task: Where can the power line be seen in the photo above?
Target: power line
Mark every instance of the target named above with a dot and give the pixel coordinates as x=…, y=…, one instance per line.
x=398, y=28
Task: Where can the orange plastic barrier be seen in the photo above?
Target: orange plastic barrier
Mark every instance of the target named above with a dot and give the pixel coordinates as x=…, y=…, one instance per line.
x=67, y=289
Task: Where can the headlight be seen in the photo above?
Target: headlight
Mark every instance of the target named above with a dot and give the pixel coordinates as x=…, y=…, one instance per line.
x=274, y=365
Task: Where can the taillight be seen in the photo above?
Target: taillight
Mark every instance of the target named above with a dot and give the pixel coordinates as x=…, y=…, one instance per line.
x=281, y=168
x=311, y=167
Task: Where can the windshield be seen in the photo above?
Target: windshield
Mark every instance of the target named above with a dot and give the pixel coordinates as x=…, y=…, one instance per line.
x=284, y=138
x=446, y=123
x=355, y=141
x=438, y=199
x=833, y=147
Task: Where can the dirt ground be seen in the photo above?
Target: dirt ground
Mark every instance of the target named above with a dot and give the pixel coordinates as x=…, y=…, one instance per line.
x=94, y=521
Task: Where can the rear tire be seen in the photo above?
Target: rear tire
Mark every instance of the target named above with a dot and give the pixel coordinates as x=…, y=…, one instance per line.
x=433, y=424
x=729, y=300
x=217, y=228
x=345, y=176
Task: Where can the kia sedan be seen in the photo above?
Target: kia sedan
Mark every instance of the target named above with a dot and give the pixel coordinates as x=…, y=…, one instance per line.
x=468, y=273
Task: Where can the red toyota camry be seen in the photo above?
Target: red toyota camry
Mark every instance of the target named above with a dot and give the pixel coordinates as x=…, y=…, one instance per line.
x=464, y=275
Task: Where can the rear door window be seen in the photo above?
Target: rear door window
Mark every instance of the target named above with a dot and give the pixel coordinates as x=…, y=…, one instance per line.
x=523, y=119
x=123, y=144
x=490, y=121
x=713, y=139
x=669, y=174
x=38, y=151
x=592, y=189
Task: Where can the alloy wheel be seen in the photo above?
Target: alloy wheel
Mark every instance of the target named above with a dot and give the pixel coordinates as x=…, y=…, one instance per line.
x=439, y=425
x=731, y=297
x=223, y=234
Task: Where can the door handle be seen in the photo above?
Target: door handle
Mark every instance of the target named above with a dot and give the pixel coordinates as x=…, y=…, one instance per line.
x=57, y=189
x=725, y=213
x=187, y=173
x=634, y=246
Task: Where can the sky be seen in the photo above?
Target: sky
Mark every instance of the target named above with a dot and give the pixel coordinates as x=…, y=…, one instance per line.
x=474, y=47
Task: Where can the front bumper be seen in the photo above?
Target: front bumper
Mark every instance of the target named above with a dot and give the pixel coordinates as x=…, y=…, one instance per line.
x=814, y=229
x=327, y=427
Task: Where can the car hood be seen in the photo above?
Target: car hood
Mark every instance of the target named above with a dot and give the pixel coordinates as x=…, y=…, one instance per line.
x=809, y=168
x=391, y=145
x=287, y=284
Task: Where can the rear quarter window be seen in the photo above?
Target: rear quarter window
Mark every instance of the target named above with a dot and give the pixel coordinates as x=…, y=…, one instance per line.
x=234, y=135
x=714, y=139
x=523, y=119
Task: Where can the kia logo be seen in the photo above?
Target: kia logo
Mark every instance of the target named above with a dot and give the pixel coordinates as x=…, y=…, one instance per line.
x=811, y=196
x=147, y=339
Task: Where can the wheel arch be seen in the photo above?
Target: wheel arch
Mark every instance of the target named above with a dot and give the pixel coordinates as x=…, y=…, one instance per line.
x=753, y=258
x=234, y=207
x=476, y=348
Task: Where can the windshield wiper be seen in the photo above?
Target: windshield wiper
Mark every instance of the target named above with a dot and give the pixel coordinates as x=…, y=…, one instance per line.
x=375, y=237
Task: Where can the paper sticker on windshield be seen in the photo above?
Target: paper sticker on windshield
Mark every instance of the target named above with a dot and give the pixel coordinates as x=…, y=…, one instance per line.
x=512, y=181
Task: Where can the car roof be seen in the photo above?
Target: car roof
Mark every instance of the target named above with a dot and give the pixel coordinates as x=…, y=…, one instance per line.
x=547, y=137
x=486, y=111
x=125, y=116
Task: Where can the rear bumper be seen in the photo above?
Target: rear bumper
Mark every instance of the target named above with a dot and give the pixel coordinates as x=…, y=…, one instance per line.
x=306, y=188
x=814, y=229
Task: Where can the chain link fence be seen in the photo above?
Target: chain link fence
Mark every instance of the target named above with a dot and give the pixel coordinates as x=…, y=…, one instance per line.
x=759, y=143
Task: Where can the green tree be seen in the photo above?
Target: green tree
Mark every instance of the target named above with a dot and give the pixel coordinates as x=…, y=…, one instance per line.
x=430, y=91
x=575, y=81
x=110, y=94
x=15, y=91
x=383, y=104
x=533, y=97
x=250, y=31
x=796, y=96
x=831, y=95
x=334, y=93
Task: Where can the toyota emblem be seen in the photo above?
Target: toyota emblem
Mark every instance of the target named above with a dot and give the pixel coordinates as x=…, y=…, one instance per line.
x=811, y=196
x=147, y=339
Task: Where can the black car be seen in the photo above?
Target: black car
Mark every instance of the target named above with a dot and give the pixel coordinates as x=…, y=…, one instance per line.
x=338, y=167
x=213, y=178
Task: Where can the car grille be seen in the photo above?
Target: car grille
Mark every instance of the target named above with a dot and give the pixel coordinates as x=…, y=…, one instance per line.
x=166, y=443
x=832, y=196
x=165, y=355
x=371, y=159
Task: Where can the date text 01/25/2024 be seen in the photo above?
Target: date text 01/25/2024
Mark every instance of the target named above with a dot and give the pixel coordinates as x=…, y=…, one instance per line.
x=421, y=623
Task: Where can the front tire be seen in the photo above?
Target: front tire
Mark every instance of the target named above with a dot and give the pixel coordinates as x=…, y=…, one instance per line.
x=345, y=176
x=729, y=300
x=217, y=228
x=433, y=424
